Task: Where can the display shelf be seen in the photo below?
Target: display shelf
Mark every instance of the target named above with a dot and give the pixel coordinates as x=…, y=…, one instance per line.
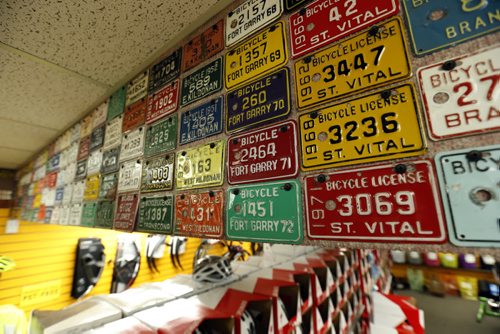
x=399, y=271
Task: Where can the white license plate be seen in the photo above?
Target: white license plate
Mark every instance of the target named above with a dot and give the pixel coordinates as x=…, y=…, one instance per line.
x=113, y=136
x=470, y=186
x=100, y=114
x=68, y=192
x=75, y=214
x=94, y=162
x=78, y=191
x=130, y=176
x=132, y=144
x=461, y=95
x=249, y=17
x=137, y=88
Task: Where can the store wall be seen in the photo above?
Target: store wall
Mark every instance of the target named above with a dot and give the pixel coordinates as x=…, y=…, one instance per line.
x=47, y=252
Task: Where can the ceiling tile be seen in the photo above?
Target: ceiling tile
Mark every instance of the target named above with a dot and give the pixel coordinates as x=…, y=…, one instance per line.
x=13, y=158
x=42, y=95
x=24, y=136
x=103, y=40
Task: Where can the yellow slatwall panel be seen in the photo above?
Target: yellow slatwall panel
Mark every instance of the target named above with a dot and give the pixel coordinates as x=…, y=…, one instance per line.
x=47, y=252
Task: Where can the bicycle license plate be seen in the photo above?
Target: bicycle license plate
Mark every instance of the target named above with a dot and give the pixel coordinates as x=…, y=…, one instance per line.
x=126, y=211
x=469, y=181
x=202, y=83
x=461, y=96
x=381, y=126
x=201, y=166
x=132, y=144
x=156, y=214
x=158, y=173
x=89, y=212
x=129, y=178
x=434, y=25
x=110, y=160
x=258, y=102
x=204, y=46
x=323, y=22
x=165, y=71
x=256, y=56
x=105, y=214
x=94, y=162
x=250, y=16
x=263, y=155
x=134, y=115
x=109, y=184
x=137, y=88
x=113, y=134
x=163, y=102
x=91, y=187
x=388, y=203
x=161, y=137
x=293, y=4
x=201, y=122
x=371, y=58
x=199, y=214
x=116, y=103
x=265, y=212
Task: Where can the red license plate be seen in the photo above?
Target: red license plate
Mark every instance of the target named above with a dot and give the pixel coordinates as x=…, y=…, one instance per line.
x=51, y=180
x=199, y=215
x=203, y=46
x=163, y=102
x=126, y=211
x=84, y=148
x=388, y=203
x=325, y=21
x=134, y=115
x=263, y=155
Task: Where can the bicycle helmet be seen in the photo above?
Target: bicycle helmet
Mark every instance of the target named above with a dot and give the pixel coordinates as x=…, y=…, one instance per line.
x=247, y=324
x=212, y=269
x=6, y=263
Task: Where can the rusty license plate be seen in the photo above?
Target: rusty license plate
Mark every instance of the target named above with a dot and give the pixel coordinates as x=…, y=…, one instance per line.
x=199, y=215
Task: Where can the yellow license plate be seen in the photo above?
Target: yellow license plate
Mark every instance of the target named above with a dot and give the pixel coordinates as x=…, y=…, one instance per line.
x=381, y=126
x=91, y=188
x=371, y=58
x=201, y=166
x=256, y=56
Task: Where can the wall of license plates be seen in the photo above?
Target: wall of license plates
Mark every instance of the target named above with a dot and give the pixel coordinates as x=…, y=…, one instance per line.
x=327, y=122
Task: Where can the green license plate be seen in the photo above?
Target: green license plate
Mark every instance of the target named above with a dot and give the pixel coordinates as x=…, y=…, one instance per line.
x=201, y=83
x=161, y=137
x=105, y=214
x=158, y=173
x=201, y=166
x=265, y=212
x=366, y=60
x=116, y=103
x=89, y=213
x=155, y=214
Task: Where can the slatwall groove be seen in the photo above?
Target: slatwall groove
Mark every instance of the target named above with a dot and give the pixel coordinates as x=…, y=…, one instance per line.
x=46, y=252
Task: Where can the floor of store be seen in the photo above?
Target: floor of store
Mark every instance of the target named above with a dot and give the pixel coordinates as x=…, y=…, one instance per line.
x=452, y=315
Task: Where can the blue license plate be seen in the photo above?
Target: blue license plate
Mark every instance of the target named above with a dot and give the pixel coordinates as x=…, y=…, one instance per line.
x=201, y=122
x=438, y=24
x=259, y=102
